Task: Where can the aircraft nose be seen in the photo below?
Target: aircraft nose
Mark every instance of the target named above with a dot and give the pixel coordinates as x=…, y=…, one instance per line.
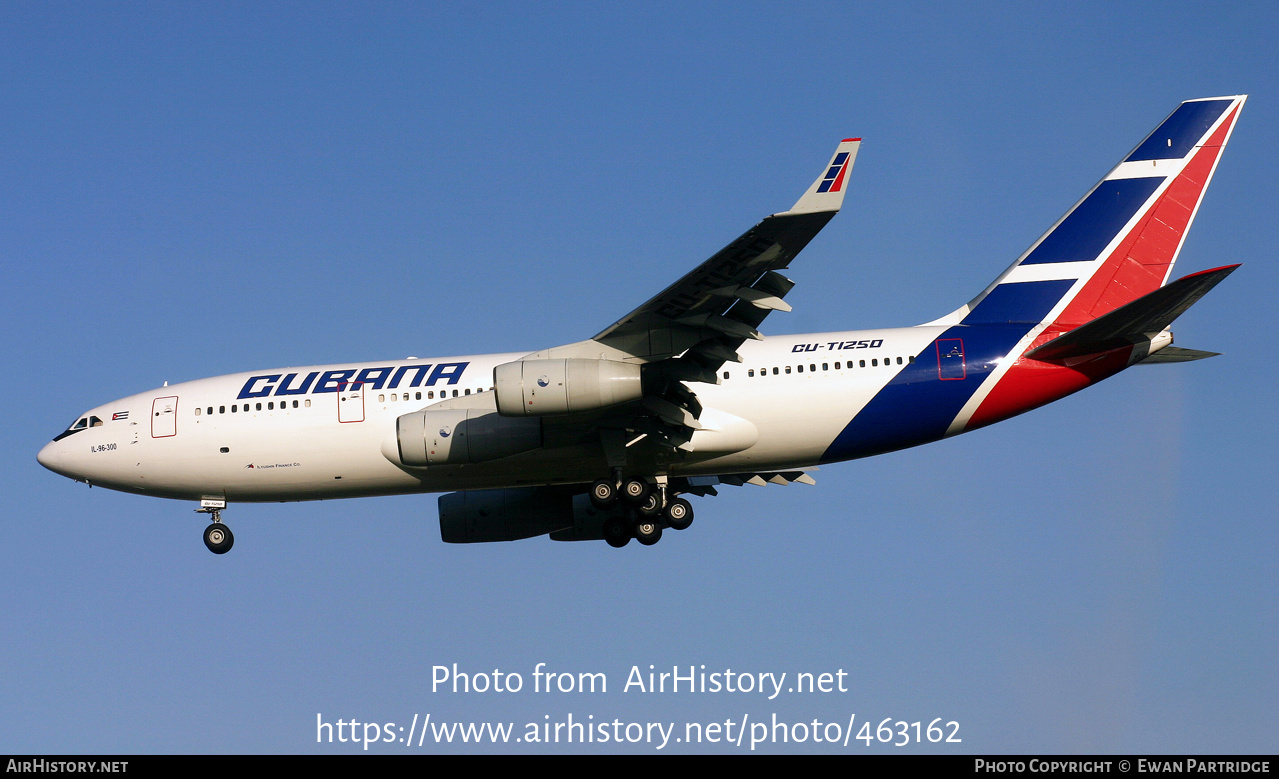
x=51, y=457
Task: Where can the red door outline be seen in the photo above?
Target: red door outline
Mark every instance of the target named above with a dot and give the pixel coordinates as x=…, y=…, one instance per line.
x=950, y=359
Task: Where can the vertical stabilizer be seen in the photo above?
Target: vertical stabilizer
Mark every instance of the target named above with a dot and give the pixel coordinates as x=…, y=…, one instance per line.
x=1121, y=240
x=1116, y=245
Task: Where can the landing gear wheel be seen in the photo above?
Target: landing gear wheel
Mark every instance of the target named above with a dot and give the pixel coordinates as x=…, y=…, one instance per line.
x=603, y=494
x=679, y=514
x=635, y=490
x=218, y=538
x=652, y=505
x=617, y=532
x=648, y=532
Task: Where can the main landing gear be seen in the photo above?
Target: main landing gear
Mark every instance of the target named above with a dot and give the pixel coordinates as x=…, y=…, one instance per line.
x=217, y=537
x=648, y=509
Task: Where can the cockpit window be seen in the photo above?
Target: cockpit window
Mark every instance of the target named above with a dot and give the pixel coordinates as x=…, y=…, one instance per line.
x=95, y=422
x=80, y=424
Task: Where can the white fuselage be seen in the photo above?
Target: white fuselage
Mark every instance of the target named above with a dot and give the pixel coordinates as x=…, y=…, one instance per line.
x=257, y=436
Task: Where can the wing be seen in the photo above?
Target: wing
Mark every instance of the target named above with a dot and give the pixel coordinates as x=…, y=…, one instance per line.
x=691, y=328
x=726, y=297
x=701, y=319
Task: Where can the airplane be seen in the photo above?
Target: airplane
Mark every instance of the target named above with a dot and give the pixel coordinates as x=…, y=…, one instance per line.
x=601, y=439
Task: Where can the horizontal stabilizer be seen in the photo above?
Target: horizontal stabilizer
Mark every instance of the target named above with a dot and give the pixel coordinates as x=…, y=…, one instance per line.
x=1176, y=354
x=1134, y=322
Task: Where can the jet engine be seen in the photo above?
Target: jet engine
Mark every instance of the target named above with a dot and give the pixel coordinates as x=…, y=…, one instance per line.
x=530, y=388
x=461, y=436
x=478, y=516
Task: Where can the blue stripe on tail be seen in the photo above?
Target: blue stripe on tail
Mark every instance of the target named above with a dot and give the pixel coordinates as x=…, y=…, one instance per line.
x=1095, y=222
x=1174, y=139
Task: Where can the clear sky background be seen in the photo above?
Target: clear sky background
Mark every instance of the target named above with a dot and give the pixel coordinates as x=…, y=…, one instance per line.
x=192, y=189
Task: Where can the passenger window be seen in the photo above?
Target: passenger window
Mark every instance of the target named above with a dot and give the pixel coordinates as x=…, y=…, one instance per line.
x=874, y=363
x=270, y=406
x=419, y=395
x=295, y=404
x=788, y=369
x=726, y=374
x=221, y=409
x=774, y=371
x=825, y=366
x=801, y=369
x=210, y=411
x=197, y=411
x=259, y=407
x=899, y=361
x=430, y=395
x=468, y=392
x=750, y=374
x=861, y=363
x=836, y=366
x=307, y=402
x=382, y=398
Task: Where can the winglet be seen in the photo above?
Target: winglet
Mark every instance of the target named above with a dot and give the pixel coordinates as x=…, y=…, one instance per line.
x=827, y=192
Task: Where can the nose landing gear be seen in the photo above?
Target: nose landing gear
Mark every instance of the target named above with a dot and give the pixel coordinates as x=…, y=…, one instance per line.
x=217, y=537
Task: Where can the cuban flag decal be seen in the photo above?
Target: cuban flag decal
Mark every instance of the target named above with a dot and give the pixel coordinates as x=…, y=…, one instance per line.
x=834, y=180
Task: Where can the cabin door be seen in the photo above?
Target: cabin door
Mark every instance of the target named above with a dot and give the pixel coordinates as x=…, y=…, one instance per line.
x=164, y=417
x=950, y=359
x=351, y=402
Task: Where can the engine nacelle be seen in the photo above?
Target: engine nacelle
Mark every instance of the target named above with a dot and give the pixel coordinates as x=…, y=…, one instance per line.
x=508, y=515
x=463, y=436
x=530, y=388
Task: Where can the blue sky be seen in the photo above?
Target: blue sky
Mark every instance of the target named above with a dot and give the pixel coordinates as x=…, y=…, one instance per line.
x=189, y=190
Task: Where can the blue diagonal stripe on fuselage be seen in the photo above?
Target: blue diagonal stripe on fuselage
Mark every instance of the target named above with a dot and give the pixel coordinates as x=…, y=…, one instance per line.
x=917, y=406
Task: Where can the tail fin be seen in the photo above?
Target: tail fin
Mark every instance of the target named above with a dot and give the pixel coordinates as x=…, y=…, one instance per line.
x=1121, y=240
x=1115, y=247
x=1105, y=263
